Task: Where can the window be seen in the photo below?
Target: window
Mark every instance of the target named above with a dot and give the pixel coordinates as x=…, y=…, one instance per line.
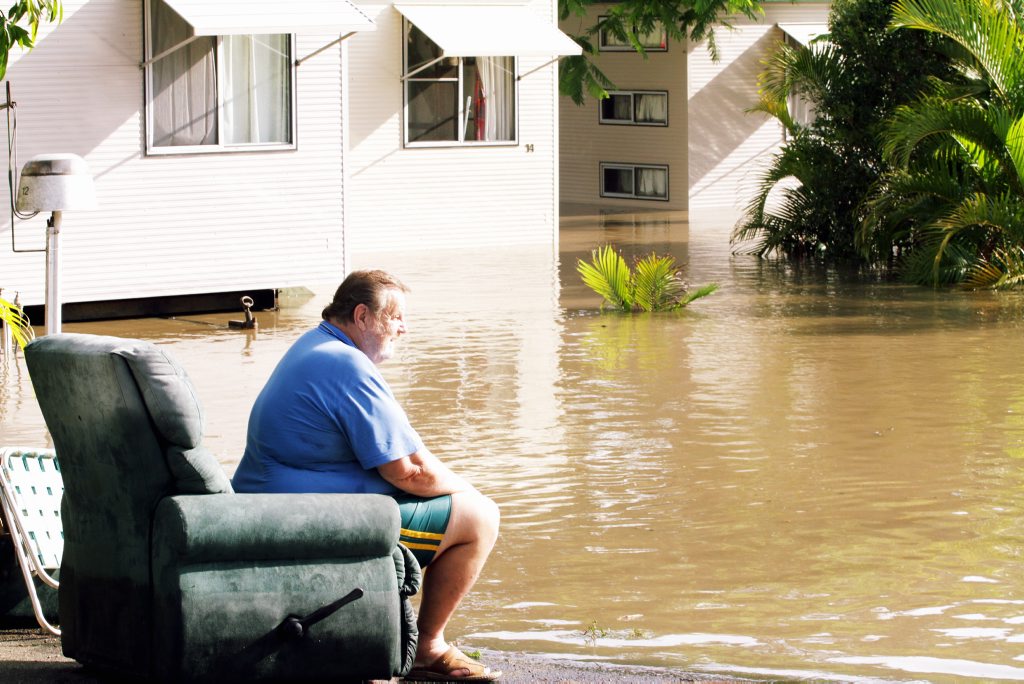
x=635, y=108
x=215, y=93
x=634, y=181
x=801, y=109
x=456, y=100
x=653, y=41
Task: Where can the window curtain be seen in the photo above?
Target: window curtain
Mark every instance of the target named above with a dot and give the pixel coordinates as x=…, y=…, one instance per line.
x=499, y=97
x=651, y=108
x=184, y=82
x=652, y=182
x=622, y=106
x=256, y=92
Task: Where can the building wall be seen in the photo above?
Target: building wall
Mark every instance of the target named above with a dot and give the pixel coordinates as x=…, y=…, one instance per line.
x=421, y=198
x=179, y=224
x=714, y=149
x=729, y=148
x=585, y=143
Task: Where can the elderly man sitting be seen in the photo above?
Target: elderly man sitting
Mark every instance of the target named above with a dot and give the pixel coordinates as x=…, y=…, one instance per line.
x=326, y=421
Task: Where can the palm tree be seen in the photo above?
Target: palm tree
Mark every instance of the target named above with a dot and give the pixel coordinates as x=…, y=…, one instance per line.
x=796, y=225
x=654, y=285
x=957, y=189
x=14, y=317
x=809, y=202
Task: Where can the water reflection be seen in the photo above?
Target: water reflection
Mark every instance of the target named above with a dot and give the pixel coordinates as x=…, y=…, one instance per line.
x=806, y=475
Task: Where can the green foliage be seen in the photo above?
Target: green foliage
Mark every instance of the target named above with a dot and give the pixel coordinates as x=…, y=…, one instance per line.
x=654, y=284
x=955, y=196
x=20, y=25
x=593, y=632
x=810, y=199
x=579, y=77
x=683, y=20
x=14, y=317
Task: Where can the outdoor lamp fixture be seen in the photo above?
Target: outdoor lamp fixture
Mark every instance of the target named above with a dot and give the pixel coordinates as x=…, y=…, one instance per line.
x=55, y=182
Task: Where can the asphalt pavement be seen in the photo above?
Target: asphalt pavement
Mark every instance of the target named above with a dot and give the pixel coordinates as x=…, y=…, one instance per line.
x=27, y=656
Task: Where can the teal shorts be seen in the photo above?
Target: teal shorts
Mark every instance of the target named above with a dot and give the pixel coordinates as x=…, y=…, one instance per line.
x=424, y=522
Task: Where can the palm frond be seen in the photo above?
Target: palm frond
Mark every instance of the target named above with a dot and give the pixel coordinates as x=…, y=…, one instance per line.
x=608, y=275
x=984, y=219
x=656, y=283
x=1015, y=147
x=1000, y=213
x=578, y=76
x=809, y=71
x=699, y=293
x=954, y=261
x=776, y=109
x=935, y=117
x=1003, y=269
x=14, y=317
x=992, y=35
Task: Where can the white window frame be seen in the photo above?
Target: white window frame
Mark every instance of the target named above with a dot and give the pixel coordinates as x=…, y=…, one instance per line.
x=461, y=107
x=219, y=147
x=603, y=46
x=632, y=109
x=634, y=168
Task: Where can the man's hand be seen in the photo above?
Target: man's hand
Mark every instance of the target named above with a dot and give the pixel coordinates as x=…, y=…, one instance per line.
x=422, y=474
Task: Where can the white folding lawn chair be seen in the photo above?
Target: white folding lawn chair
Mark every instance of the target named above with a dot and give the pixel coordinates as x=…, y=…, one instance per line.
x=30, y=491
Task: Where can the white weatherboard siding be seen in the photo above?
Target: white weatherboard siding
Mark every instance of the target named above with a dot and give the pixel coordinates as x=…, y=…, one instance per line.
x=585, y=142
x=417, y=198
x=173, y=224
x=728, y=148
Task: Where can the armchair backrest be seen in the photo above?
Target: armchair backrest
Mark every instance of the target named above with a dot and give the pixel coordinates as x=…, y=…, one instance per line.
x=127, y=427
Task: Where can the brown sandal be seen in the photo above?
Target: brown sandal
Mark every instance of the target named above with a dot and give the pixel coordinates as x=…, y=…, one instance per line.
x=452, y=661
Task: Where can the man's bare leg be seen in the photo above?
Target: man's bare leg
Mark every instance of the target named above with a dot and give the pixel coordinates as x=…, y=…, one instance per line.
x=472, y=531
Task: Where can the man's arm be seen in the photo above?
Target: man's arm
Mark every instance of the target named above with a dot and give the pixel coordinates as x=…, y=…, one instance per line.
x=422, y=474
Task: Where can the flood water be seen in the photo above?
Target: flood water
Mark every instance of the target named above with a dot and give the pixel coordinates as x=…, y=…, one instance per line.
x=805, y=475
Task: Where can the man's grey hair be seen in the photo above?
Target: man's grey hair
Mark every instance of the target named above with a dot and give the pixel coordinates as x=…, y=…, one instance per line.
x=369, y=287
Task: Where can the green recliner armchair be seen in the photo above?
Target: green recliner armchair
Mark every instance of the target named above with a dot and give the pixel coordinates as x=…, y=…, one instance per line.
x=169, y=576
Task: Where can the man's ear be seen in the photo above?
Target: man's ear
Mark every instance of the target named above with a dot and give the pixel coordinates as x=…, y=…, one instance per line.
x=359, y=315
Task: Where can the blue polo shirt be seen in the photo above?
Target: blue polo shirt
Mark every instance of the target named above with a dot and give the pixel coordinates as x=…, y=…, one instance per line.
x=323, y=423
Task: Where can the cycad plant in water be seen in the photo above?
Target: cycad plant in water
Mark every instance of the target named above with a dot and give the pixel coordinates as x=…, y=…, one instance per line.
x=13, y=316
x=653, y=284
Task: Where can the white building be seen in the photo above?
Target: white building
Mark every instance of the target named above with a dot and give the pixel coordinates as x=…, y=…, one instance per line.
x=231, y=159
x=450, y=173
x=675, y=133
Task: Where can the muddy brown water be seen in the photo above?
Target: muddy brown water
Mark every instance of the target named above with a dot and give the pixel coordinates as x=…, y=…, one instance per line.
x=806, y=475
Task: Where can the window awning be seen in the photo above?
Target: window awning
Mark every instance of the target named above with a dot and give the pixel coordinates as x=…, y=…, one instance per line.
x=463, y=30
x=241, y=17
x=803, y=33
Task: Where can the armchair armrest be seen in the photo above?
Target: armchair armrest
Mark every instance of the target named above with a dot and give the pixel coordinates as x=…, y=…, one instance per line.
x=253, y=527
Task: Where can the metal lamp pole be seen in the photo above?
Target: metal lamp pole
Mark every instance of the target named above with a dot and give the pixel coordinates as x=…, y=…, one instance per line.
x=53, y=312
x=55, y=183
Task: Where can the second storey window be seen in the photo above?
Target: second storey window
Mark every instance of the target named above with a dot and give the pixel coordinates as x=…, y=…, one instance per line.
x=215, y=93
x=636, y=107
x=653, y=41
x=456, y=100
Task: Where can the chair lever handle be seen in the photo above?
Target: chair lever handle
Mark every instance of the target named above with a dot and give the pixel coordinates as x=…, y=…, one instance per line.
x=295, y=627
